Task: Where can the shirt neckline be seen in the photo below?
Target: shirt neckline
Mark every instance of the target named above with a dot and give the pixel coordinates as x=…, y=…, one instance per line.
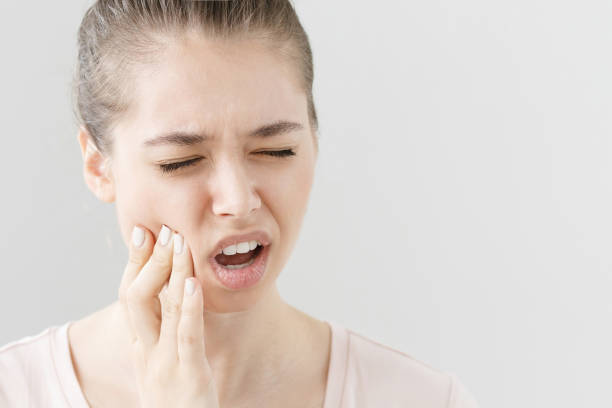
x=336, y=373
x=65, y=369
x=75, y=397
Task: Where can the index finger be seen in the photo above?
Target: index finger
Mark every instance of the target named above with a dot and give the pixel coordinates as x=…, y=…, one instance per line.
x=140, y=248
x=142, y=295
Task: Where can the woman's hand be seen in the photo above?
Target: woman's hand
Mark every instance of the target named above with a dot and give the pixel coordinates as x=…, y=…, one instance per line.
x=167, y=326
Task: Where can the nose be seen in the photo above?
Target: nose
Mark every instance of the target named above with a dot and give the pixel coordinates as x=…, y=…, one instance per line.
x=232, y=189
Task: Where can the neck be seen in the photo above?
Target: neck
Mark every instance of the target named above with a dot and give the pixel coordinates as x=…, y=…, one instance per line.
x=267, y=339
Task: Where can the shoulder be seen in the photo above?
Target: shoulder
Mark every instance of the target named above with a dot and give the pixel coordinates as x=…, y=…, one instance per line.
x=379, y=374
x=25, y=365
x=20, y=355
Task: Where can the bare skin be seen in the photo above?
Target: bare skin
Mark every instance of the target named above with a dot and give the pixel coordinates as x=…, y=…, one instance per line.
x=100, y=356
x=262, y=351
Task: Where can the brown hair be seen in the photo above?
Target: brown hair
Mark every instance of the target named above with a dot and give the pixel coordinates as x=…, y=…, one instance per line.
x=116, y=35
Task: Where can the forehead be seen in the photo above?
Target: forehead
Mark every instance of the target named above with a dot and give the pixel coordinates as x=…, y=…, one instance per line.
x=213, y=85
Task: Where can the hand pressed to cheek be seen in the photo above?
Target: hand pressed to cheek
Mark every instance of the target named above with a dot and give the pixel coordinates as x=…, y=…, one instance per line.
x=143, y=291
x=168, y=348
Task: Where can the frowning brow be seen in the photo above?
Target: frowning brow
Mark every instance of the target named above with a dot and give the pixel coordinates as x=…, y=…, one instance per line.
x=180, y=138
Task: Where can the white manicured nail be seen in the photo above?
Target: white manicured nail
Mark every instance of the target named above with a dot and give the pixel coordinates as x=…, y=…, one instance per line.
x=164, y=235
x=137, y=236
x=178, y=243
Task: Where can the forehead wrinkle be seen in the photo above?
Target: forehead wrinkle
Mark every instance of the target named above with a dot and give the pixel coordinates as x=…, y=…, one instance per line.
x=177, y=138
x=182, y=138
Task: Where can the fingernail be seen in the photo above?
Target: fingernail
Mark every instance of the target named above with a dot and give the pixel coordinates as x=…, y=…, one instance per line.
x=164, y=235
x=137, y=236
x=189, y=286
x=178, y=243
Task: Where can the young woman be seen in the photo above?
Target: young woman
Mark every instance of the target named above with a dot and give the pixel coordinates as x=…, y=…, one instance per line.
x=197, y=120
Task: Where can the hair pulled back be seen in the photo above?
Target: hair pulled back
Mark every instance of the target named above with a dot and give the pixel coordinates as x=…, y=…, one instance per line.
x=117, y=35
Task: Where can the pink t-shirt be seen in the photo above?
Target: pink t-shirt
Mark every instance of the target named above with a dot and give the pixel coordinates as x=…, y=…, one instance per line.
x=37, y=371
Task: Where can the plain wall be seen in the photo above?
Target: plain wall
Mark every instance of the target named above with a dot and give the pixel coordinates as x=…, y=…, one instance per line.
x=461, y=207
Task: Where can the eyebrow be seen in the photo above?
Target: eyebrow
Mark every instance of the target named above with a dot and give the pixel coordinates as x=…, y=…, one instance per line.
x=180, y=138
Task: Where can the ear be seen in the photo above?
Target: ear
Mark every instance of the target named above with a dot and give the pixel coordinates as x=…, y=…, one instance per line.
x=96, y=168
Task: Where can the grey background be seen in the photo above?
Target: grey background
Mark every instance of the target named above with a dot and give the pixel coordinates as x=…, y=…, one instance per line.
x=461, y=207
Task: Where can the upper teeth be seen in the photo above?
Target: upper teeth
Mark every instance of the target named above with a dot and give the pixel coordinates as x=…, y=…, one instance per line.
x=241, y=247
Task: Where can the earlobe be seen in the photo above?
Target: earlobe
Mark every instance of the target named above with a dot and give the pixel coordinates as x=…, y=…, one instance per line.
x=96, y=168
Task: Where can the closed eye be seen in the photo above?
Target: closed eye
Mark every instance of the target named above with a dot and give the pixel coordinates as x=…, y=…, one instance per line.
x=171, y=167
x=279, y=153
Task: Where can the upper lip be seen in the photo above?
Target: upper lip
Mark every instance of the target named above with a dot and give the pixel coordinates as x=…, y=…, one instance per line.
x=260, y=236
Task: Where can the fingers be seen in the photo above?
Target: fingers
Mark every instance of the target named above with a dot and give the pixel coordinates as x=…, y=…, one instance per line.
x=143, y=294
x=191, y=347
x=141, y=246
x=182, y=268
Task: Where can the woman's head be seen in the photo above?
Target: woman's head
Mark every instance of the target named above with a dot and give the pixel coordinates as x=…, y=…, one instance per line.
x=216, y=70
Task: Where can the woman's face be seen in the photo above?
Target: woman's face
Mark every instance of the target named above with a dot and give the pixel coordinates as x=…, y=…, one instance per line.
x=223, y=91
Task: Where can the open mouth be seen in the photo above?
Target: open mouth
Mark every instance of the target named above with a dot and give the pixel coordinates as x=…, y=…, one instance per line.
x=238, y=261
x=241, y=271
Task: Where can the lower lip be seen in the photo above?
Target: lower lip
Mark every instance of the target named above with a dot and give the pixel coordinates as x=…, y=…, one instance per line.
x=244, y=277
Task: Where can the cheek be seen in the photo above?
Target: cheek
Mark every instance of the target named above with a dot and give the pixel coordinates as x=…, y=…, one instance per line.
x=287, y=202
x=152, y=202
x=300, y=190
x=290, y=198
